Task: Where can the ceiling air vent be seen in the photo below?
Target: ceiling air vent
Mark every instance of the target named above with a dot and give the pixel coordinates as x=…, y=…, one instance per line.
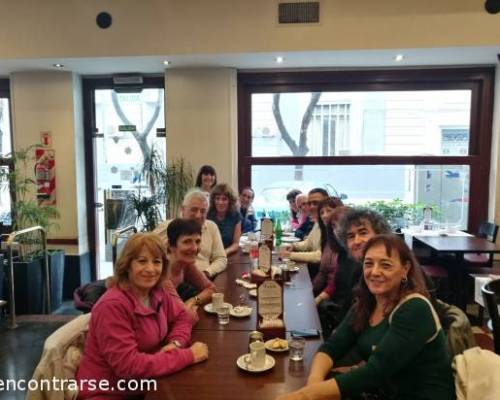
x=298, y=13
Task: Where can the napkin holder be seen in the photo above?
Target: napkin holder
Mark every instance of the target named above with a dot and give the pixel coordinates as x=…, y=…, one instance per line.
x=264, y=264
x=270, y=307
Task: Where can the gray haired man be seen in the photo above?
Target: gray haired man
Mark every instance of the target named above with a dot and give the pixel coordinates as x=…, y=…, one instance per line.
x=212, y=258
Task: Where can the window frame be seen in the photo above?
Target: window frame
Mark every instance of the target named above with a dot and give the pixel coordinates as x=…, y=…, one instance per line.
x=480, y=81
x=7, y=161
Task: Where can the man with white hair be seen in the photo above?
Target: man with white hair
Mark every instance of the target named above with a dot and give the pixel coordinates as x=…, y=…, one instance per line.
x=212, y=258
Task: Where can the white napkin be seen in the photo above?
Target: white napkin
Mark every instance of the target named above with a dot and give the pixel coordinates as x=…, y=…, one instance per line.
x=245, y=284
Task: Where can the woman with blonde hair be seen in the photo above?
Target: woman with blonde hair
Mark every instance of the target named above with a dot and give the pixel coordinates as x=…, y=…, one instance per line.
x=224, y=212
x=137, y=329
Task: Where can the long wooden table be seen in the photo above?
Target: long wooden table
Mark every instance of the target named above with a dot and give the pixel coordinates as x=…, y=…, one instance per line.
x=219, y=377
x=300, y=309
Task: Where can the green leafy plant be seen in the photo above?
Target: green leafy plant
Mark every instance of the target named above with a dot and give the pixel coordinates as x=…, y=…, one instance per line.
x=397, y=213
x=26, y=212
x=178, y=179
x=167, y=183
x=146, y=209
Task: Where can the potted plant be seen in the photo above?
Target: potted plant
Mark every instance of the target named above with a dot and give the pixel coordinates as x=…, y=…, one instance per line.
x=27, y=212
x=179, y=178
x=166, y=184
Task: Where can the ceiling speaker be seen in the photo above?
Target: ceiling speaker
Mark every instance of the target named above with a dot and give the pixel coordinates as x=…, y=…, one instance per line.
x=492, y=6
x=104, y=20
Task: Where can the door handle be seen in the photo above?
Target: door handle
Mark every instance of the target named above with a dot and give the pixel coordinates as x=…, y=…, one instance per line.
x=98, y=205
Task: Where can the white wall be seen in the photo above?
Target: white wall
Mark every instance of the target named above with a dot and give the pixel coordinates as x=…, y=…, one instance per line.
x=201, y=119
x=44, y=101
x=57, y=28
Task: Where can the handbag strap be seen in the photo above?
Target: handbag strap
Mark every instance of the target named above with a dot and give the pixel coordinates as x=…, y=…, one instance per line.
x=433, y=311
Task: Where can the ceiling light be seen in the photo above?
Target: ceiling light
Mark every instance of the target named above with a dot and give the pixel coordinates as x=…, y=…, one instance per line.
x=166, y=62
x=279, y=59
x=399, y=57
x=58, y=65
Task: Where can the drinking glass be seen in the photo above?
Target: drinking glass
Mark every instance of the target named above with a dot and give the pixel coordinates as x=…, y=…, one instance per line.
x=223, y=315
x=297, y=345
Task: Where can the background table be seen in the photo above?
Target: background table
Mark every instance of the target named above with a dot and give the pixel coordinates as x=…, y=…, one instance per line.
x=458, y=245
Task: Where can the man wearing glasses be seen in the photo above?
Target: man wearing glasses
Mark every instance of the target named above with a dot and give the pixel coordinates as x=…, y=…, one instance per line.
x=309, y=250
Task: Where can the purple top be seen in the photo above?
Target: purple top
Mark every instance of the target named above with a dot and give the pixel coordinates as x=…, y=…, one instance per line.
x=324, y=281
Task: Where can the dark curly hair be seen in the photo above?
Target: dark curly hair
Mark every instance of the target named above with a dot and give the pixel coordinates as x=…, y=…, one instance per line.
x=355, y=217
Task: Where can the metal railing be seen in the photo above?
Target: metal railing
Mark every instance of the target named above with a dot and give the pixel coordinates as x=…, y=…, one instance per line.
x=117, y=235
x=10, y=271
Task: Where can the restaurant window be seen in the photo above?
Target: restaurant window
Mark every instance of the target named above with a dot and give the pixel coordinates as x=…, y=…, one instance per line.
x=419, y=136
x=5, y=150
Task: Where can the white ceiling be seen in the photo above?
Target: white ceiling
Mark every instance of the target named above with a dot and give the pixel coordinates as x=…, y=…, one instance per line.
x=249, y=61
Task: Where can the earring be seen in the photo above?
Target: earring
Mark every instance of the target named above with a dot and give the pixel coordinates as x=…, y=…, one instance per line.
x=404, y=281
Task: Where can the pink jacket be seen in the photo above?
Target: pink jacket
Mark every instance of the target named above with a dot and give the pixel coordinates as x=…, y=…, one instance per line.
x=125, y=338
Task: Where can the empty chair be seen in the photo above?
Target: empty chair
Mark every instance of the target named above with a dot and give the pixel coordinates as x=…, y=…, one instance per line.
x=488, y=231
x=491, y=296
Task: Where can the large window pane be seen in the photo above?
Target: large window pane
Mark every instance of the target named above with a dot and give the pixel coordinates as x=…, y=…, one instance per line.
x=443, y=187
x=399, y=123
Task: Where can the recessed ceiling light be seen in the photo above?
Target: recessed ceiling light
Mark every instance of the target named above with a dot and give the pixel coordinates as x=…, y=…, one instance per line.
x=279, y=59
x=166, y=62
x=399, y=57
x=58, y=65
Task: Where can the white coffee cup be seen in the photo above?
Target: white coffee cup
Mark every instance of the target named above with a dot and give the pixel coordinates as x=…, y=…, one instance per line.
x=217, y=300
x=257, y=354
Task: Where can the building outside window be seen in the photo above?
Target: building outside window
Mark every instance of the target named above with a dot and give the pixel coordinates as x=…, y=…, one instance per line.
x=411, y=142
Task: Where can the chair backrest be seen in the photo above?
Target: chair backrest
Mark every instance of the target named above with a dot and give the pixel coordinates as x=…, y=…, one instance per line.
x=488, y=231
x=491, y=296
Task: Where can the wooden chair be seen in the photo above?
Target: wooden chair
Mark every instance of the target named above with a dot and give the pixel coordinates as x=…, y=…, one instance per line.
x=491, y=296
x=488, y=231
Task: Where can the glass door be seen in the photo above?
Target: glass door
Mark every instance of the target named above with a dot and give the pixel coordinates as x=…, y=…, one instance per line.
x=128, y=140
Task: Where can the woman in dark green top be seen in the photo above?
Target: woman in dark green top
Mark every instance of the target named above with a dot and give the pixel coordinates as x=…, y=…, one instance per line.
x=395, y=329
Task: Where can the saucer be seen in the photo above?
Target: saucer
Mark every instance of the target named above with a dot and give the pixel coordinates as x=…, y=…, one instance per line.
x=240, y=311
x=269, y=346
x=240, y=362
x=294, y=268
x=253, y=292
x=208, y=308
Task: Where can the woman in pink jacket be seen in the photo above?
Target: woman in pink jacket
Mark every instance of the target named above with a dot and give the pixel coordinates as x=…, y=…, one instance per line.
x=137, y=329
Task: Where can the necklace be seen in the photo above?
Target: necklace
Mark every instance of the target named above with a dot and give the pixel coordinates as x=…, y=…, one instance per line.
x=145, y=301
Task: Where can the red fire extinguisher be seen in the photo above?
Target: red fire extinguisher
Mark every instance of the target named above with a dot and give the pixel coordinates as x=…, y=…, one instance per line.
x=42, y=173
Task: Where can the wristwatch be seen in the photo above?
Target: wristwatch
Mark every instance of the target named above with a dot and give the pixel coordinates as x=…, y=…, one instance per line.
x=197, y=300
x=176, y=343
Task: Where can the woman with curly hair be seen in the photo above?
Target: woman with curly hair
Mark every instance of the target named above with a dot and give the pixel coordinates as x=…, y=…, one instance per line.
x=394, y=327
x=224, y=212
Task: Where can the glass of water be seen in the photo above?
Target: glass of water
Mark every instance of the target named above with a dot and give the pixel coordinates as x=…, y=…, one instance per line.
x=297, y=346
x=223, y=315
